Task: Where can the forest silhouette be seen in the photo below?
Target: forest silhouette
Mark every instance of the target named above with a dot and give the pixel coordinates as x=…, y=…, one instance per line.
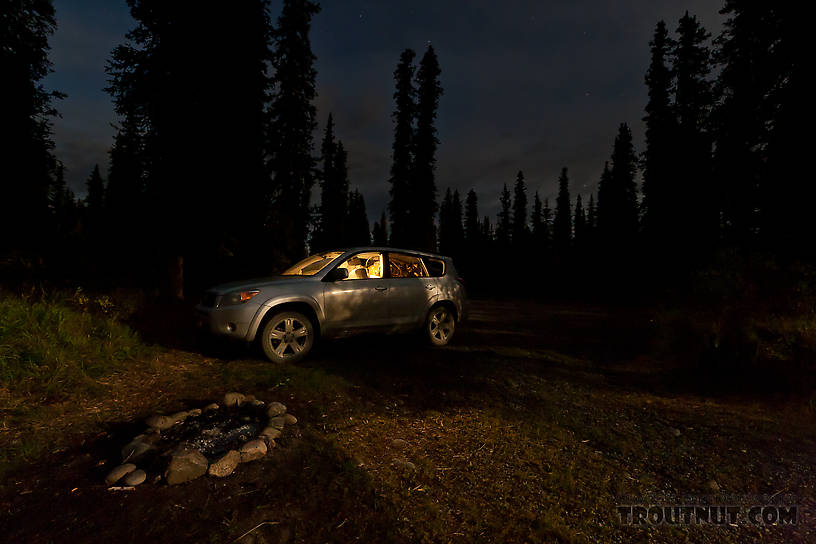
x=213, y=168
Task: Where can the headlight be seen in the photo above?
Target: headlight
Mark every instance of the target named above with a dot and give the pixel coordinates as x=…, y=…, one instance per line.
x=238, y=297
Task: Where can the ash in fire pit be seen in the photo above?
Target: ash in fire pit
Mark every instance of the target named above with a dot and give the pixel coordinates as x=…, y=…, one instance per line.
x=214, y=440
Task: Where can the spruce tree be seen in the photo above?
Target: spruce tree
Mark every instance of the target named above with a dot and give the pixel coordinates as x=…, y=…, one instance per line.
x=592, y=218
x=660, y=189
x=321, y=238
x=603, y=219
x=580, y=224
x=546, y=225
x=504, y=224
x=358, y=232
x=457, y=231
x=445, y=234
x=519, y=227
x=402, y=154
x=472, y=227
x=692, y=105
x=334, y=192
x=27, y=164
x=379, y=232
x=423, y=190
x=758, y=157
x=562, y=224
x=487, y=233
x=63, y=203
x=617, y=195
x=339, y=198
x=95, y=187
x=787, y=222
x=537, y=220
x=125, y=189
x=291, y=122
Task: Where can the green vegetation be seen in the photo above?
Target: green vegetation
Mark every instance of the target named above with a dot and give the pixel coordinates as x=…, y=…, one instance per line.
x=52, y=344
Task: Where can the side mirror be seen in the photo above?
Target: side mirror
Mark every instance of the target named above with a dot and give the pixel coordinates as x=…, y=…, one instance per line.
x=337, y=274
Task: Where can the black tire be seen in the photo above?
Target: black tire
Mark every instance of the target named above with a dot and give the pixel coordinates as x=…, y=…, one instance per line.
x=440, y=325
x=288, y=337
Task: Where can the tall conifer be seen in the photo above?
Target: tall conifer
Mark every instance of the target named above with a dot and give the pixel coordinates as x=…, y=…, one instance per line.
x=562, y=224
x=423, y=206
x=399, y=207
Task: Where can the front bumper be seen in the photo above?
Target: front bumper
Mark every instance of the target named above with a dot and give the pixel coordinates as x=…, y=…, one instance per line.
x=231, y=321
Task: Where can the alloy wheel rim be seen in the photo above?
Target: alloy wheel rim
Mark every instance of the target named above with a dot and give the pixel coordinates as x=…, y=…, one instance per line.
x=441, y=326
x=288, y=337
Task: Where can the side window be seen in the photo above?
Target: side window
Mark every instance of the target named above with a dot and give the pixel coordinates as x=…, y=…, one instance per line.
x=364, y=266
x=406, y=266
x=436, y=267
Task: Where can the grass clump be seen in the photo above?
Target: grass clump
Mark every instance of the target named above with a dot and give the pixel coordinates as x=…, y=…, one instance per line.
x=52, y=345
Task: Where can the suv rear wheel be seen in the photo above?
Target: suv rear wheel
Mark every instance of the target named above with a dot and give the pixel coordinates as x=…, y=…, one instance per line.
x=440, y=325
x=287, y=337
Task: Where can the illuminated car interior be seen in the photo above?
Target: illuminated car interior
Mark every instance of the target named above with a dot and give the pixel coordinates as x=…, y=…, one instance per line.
x=364, y=266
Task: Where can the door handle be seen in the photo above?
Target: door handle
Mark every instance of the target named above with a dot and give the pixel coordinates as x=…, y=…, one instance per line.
x=381, y=288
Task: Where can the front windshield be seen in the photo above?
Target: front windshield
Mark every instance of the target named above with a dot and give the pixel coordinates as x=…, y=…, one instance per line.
x=312, y=265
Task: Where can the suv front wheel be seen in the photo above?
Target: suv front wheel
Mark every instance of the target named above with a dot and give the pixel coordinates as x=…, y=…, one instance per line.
x=440, y=325
x=287, y=337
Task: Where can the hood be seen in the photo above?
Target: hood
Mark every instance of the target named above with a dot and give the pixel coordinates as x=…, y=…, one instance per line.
x=258, y=283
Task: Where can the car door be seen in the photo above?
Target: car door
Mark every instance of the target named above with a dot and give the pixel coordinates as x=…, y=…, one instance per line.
x=357, y=303
x=410, y=290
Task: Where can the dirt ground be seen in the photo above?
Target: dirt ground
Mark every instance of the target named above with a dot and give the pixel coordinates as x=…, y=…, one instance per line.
x=532, y=426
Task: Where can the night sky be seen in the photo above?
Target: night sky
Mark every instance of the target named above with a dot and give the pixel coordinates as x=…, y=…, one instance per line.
x=529, y=85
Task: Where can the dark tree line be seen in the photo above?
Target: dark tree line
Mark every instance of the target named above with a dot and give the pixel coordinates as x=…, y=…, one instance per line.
x=213, y=156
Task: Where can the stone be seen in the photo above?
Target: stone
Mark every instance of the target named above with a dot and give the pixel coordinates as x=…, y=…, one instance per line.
x=150, y=438
x=252, y=450
x=135, y=478
x=135, y=449
x=160, y=422
x=289, y=419
x=399, y=443
x=676, y=432
x=406, y=466
x=250, y=398
x=233, y=400
x=119, y=472
x=211, y=406
x=178, y=417
x=186, y=465
x=275, y=409
x=225, y=465
x=713, y=485
x=195, y=412
x=277, y=422
x=271, y=433
x=258, y=403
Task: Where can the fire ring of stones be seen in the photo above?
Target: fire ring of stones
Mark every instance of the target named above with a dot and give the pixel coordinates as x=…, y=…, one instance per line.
x=212, y=440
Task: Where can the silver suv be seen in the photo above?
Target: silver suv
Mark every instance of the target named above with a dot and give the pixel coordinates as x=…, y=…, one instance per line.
x=339, y=293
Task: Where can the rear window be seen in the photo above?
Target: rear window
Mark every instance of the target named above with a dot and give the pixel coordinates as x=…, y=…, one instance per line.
x=436, y=267
x=405, y=266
